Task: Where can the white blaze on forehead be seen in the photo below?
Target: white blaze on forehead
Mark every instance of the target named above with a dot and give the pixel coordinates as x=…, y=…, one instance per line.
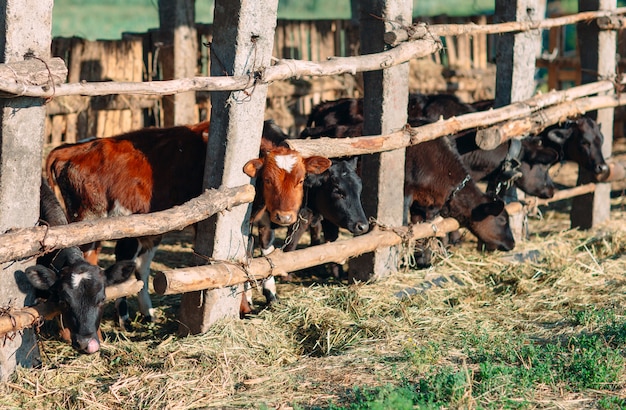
x=78, y=277
x=286, y=162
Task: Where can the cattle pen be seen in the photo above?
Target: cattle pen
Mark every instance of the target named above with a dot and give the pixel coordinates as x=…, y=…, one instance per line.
x=388, y=44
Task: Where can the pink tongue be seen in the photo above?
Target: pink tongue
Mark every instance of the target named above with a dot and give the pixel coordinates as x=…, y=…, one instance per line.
x=93, y=346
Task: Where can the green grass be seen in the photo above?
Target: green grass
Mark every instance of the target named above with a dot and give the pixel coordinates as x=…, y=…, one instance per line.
x=504, y=366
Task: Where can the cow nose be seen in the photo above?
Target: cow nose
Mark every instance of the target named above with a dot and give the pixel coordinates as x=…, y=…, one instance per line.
x=602, y=169
x=360, y=228
x=87, y=345
x=283, y=218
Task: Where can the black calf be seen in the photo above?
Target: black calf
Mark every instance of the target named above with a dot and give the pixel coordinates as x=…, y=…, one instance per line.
x=74, y=285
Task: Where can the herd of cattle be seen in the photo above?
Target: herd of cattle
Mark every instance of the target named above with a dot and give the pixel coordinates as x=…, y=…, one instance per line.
x=157, y=168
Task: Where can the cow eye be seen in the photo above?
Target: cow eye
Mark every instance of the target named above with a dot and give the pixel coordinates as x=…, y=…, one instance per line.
x=301, y=182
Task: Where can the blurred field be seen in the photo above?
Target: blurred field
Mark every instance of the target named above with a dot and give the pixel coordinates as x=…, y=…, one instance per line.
x=107, y=19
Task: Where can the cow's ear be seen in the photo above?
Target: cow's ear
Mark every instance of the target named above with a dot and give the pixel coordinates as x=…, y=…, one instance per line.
x=482, y=211
x=560, y=135
x=312, y=180
x=546, y=156
x=119, y=272
x=40, y=277
x=353, y=162
x=252, y=167
x=316, y=165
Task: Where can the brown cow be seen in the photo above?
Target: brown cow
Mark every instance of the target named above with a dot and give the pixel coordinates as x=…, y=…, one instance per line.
x=153, y=169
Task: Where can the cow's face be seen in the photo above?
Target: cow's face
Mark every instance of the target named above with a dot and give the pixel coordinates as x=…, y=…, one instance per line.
x=337, y=196
x=581, y=142
x=78, y=289
x=536, y=162
x=490, y=223
x=282, y=172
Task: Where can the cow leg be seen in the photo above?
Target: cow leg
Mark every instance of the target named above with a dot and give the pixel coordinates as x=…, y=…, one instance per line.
x=246, y=301
x=269, y=290
x=125, y=249
x=143, y=270
x=331, y=233
x=315, y=230
x=408, y=201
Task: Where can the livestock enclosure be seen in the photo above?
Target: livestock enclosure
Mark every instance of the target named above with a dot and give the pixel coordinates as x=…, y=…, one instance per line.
x=238, y=80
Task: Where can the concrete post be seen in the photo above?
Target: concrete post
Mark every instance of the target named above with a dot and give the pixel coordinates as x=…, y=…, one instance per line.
x=242, y=43
x=26, y=27
x=516, y=55
x=385, y=110
x=598, y=60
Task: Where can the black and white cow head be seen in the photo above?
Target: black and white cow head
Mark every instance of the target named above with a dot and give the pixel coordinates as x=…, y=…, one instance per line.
x=78, y=289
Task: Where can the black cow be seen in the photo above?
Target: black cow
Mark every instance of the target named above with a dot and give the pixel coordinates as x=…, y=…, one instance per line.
x=332, y=201
x=77, y=287
x=579, y=140
x=526, y=166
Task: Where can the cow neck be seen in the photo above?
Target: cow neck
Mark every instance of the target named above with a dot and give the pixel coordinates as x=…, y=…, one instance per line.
x=509, y=168
x=296, y=226
x=445, y=209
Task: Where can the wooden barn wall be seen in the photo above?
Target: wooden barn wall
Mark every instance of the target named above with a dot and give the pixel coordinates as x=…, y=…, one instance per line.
x=465, y=67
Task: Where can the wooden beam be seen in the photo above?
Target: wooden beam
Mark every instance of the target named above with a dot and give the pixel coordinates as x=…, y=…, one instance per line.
x=420, y=30
x=26, y=242
x=339, y=147
x=278, y=262
x=263, y=75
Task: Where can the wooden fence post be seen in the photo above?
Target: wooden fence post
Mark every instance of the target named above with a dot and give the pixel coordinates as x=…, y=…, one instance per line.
x=597, y=60
x=179, y=58
x=243, y=37
x=515, y=73
x=26, y=33
x=385, y=110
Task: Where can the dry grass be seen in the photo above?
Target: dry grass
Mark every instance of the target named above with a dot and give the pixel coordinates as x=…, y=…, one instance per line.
x=325, y=337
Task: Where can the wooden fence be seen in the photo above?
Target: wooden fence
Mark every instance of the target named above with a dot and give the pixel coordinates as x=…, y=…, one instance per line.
x=464, y=67
x=403, y=52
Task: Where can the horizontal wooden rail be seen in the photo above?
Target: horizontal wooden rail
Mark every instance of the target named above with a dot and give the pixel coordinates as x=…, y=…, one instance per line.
x=421, y=30
x=21, y=318
x=571, y=100
x=424, y=42
x=222, y=274
x=490, y=138
x=24, y=243
x=282, y=70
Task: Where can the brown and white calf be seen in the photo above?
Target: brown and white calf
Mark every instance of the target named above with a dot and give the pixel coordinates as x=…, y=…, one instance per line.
x=153, y=169
x=77, y=287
